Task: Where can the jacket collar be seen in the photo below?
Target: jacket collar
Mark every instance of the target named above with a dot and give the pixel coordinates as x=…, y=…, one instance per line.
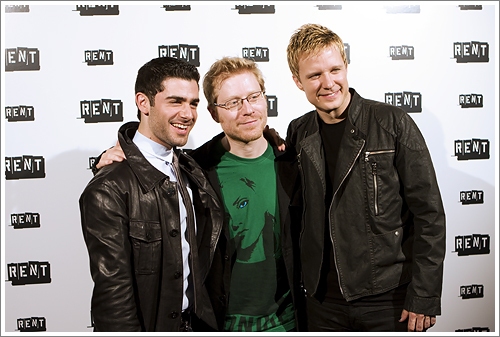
x=147, y=175
x=207, y=156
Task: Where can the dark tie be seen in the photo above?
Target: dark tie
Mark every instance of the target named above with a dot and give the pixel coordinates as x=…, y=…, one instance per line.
x=191, y=236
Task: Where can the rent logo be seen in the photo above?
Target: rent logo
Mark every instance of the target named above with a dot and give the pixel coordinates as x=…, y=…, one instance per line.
x=466, y=52
x=186, y=52
x=471, y=101
x=91, y=162
x=32, y=272
x=22, y=59
x=402, y=52
x=329, y=7
x=347, y=50
x=475, y=244
x=407, y=100
x=104, y=110
x=32, y=324
x=174, y=8
x=24, y=167
x=255, y=9
x=474, y=329
x=470, y=7
x=17, y=9
x=472, y=291
x=257, y=54
x=471, y=197
x=25, y=220
x=21, y=113
x=472, y=149
x=272, y=106
x=91, y=10
x=99, y=57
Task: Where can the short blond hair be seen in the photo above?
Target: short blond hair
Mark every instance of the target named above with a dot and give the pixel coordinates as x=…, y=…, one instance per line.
x=311, y=39
x=224, y=68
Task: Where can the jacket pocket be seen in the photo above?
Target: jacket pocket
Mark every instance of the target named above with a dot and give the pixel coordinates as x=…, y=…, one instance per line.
x=146, y=246
x=387, y=248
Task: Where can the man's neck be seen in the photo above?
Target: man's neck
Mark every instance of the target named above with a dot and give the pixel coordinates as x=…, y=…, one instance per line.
x=337, y=115
x=248, y=150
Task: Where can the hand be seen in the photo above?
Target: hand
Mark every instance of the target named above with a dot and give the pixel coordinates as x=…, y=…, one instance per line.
x=274, y=138
x=417, y=322
x=110, y=155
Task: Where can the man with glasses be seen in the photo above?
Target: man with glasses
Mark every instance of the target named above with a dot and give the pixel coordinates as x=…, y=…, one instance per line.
x=252, y=281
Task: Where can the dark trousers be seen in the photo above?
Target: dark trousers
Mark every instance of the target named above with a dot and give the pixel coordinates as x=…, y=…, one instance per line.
x=327, y=317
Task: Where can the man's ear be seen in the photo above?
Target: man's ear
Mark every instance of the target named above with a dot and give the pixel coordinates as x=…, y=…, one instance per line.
x=297, y=83
x=213, y=111
x=142, y=102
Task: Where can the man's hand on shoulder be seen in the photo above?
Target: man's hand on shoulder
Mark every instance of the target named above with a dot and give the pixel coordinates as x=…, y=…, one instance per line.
x=274, y=138
x=110, y=155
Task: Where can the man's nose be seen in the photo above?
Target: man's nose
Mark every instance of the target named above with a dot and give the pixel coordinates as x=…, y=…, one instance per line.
x=186, y=111
x=327, y=81
x=246, y=107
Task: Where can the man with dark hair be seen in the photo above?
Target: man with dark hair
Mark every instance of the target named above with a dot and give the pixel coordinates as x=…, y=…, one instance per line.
x=151, y=223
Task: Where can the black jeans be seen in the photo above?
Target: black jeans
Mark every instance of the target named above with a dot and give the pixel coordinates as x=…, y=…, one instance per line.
x=327, y=317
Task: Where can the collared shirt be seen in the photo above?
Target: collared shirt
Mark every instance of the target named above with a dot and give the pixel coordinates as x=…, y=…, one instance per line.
x=161, y=158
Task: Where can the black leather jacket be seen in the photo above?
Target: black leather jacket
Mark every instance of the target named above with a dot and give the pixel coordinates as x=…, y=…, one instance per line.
x=130, y=222
x=219, y=277
x=387, y=221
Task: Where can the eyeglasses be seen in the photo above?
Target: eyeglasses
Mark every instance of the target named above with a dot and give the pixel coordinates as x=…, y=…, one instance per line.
x=236, y=103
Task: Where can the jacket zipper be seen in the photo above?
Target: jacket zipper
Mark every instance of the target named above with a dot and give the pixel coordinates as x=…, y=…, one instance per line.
x=374, y=175
x=330, y=211
x=368, y=153
x=375, y=186
x=303, y=215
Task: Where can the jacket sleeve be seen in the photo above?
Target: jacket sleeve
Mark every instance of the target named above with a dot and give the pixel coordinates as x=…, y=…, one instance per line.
x=105, y=231
x=422, y=195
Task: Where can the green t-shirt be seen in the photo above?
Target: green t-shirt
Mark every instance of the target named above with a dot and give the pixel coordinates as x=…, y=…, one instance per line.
x=260, y=298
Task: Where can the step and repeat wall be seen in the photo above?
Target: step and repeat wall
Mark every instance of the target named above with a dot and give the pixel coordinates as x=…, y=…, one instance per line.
x=68, y=78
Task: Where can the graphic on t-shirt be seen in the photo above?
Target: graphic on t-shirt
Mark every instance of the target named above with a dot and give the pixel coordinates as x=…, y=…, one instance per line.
x=247, y=238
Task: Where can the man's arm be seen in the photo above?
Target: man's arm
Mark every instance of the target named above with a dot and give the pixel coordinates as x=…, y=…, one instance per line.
x=105, y=231
x=421, y=192
x=116, y=153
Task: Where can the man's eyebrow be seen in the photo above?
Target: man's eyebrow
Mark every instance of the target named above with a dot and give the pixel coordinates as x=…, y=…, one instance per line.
x=182, y=99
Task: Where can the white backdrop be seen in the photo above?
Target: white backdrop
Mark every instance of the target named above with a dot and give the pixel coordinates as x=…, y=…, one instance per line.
x=47, y=284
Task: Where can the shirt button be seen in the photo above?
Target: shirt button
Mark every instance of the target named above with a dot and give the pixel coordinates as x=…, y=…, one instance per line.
x=396, y=233
x=174, y=232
